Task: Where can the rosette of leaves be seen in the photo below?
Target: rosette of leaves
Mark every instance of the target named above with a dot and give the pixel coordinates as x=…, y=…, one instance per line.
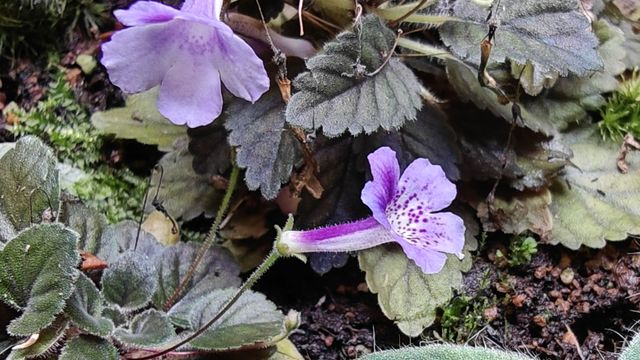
x=355, y=85
x=127, y=309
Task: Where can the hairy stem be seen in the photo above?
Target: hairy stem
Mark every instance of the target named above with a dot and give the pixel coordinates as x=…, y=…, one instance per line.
x=211, y=237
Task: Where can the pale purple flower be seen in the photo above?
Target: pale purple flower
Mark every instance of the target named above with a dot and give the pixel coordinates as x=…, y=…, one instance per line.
x=403, y=212
x=188, y=52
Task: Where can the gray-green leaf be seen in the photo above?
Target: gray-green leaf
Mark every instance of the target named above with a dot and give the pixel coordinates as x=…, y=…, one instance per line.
x=632, y=352
x=594, y=202
x=264, y=147
x=48, y=339
x=218, y=270
x=85, y=306
x=344, y=91
x=38, y=274
x=445, y=352
x=553, y=35
x=148, y=329
x=28, y=185
x=130, y=281
x=140, y=120
x=86, y=347
x=251, y=322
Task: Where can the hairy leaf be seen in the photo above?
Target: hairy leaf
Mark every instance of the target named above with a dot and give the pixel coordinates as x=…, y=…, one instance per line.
x=217, y=270
x=148, y=329
x=88, y=223
x=28, y=185
x=406, y=294
x=85, y=347
x=84, y=308
x=593, y=202
x=264, y=147
x=47, y=341
x=445, y=352
x=251, y=323
x=124, y=235
x=140, y=120
x=633, y=350
x=552, y=35
x=38, y=274
x=344, y=91
x=184, y=194
x=130, y=281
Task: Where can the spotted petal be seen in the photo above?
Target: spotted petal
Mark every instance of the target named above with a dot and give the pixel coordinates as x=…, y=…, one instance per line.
x=429, y=261
x=440, y=232
x=379, y=192
x=146, y=12
x=208, y=8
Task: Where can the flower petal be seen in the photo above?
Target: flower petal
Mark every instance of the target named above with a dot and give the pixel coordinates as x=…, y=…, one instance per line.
x=378, y=193
x=137, y=58
x=423, y=187
x=190, y=92
x=440, y=232
x=241, y=70
x=146, y=12
x=429, y=261
x=208, y=8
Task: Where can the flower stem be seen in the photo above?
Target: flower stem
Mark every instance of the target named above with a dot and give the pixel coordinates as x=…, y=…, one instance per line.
x=257, y=274
x=211, y=236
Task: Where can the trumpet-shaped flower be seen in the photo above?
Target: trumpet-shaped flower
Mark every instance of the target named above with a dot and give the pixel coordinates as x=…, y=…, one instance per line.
x=404, y=211
x=188, y=52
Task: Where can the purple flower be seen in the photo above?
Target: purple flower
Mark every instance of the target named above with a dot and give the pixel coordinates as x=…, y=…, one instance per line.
x=187, y=52
x=403, y=212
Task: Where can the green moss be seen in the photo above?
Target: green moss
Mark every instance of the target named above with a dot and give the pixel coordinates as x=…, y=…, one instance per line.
x=521, y=251
x=64, y=124
x=621, y=115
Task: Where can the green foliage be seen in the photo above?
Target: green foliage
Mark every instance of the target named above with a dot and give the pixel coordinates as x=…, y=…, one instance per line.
x=148, y=329
x=253, y=321
x=350, y=87
x=463, y=316
x=548, y=34
x=139, y=120
x=22, y=22
x=593, y=202
x=264, y=146
x=49, y=339
x=86, y=347
x=38, y=275
x=445, y=352
x=129, y=282
x=632, y=352
x=406, y=294
x=85, y=306
x=28, y=186
x=521, y=249
x=621, y=115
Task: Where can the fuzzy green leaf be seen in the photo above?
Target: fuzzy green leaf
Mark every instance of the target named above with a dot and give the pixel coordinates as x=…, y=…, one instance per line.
x=251, y=323
x=47, y=342
x=84, y=308
x=89, y=224
x=593, y=202
x=264, y=147
x=38, y=274
x=406, y=294
x=632, y=352
x=121, y=237
x=28, y=185
x=184, y=194
x=148, y=329
x=338, y=94
x=86, y=347
x=552, y=35
x=445, y=352
x=217, y=270
x=130, y=281
x=140, y=120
